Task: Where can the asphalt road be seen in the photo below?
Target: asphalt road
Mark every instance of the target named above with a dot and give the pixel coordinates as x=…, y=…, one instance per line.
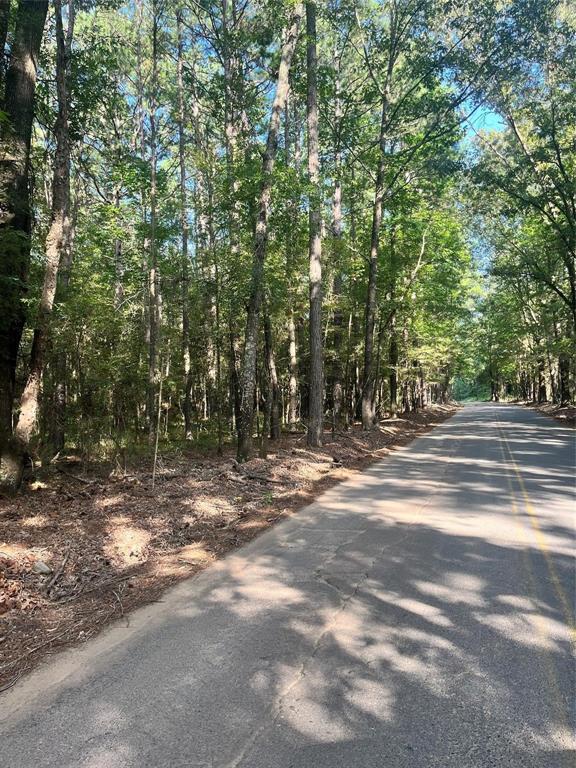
x=416, y=616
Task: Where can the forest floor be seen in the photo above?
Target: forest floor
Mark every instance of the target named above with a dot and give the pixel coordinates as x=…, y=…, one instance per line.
x=564, y=414
x=82, y=546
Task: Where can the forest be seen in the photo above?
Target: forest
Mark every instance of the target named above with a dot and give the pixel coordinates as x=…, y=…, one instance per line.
x=224, y=220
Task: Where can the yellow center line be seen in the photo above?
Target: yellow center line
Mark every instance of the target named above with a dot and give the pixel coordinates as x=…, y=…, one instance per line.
x=541, y=540
x=540, y=624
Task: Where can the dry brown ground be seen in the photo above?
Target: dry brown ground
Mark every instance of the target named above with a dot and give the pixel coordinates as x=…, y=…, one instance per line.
x=566, y=414
x=113, y=543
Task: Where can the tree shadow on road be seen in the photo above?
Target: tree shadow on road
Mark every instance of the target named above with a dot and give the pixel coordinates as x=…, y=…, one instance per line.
x=410, y=620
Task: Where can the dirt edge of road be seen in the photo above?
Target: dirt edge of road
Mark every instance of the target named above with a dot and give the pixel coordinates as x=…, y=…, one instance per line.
x=564, y=414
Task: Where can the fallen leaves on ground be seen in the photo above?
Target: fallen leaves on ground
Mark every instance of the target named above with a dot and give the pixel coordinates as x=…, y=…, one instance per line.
x=80, y=549
x=565, y=414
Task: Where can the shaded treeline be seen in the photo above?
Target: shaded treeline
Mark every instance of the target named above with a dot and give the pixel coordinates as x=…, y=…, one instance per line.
x=237, y=216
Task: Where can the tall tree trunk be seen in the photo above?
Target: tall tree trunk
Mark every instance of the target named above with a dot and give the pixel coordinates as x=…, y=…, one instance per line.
x=215, y=373
x=564, y=378
x=274, y=387
x=233, y=373
x=292, y=412
x=267, y=396
x=140, y=146
x=154, y=300
x=210, y=277
x=56, y=244
x=119, y=416
x=542, y=394
x=218, y=350
x=316, y=384
x=232, y=82
x=60, y=365
x=393, y=366
x=338, y=352
x=15, y=220
x=292, y=417
x=231, y=128
x=248, y=380
x=185, y=267
x=4, y=22
x=350, y=363
x=404, y=366
x=119, y=267
x=338, y=317
x=382, y=328
x=348, y=395
x=268, y=387
x=369, y=383
x=368, y=414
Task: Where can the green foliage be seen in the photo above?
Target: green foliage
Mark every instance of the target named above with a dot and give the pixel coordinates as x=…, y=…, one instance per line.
x=475, y=286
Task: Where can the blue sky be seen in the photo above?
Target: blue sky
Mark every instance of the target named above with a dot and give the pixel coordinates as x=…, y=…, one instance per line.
x=485, y=119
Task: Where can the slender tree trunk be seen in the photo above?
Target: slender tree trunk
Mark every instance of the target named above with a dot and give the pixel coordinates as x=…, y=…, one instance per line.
x=15, y=220
x=494, y=385
x=215, y=369
x=316, y=386
x=185, y=267
x=404, y=382
x=233, y=374
x=393, y=366
x=368, y=386
x=267, y=396
x=248, y=381
x=218, y=345
x=210, y=280
x=119, y=418
x=268, y=387
x=338, y=317
x=551, y=375
x=200, y=230
x=542, y=394
x=423, y=402
x=58, y=428
x=274, y=387
x=231, y=128
x=118, y=257
x=232, y=83
x=350, y=365
x=368, y=414
x=56, y=244
x=154, y=299
x=292, y=413
x=348, y=397
x=564, y=378
x=203, y=212
x=140, y=140
x=292, y=417
x=382, y=327
x=338, y=352
x=4, y=22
